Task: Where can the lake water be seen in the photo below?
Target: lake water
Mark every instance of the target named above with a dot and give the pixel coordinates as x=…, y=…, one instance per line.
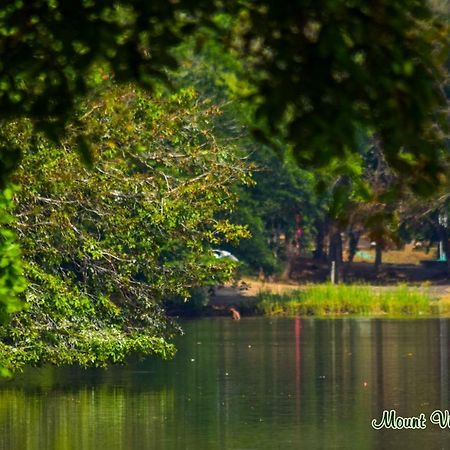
x=254, y=384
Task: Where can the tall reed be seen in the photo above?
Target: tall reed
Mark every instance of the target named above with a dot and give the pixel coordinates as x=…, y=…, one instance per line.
x=332, y=299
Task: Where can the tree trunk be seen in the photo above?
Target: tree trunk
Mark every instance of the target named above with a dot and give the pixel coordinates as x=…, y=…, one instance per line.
x=319, y=252
x=291, y=258
x=353, y=239
x=335, y=257
x=378, y=255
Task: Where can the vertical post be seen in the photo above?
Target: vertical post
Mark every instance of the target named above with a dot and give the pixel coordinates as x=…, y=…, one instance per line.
x=443, y=245
x=333, y=272
x=378, y=255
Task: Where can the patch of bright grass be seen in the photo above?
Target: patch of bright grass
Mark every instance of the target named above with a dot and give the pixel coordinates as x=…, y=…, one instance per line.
x=329, y=299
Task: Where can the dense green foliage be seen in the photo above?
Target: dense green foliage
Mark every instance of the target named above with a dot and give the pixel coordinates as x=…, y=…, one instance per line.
x=57, y=51
x=12, y=282
x=104, y=247
x=324, y=69
x=279, y=209
x=283, y=198
x=318, y=69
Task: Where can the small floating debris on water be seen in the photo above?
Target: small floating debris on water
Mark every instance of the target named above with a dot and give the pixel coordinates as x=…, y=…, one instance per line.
x=365, y=384
x=192, y=359
x=249, y=346
x=322, y=377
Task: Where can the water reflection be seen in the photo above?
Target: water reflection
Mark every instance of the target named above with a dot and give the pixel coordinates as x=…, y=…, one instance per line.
x=253, y=384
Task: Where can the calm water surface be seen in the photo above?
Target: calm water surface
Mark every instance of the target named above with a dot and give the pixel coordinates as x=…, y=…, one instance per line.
x=255, y=384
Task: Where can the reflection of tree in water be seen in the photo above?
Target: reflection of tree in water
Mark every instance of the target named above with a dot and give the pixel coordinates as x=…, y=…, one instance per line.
x=257, y=383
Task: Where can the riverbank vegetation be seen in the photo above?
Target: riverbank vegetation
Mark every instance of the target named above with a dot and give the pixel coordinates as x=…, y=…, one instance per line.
x=359, y=300
x=104, y=246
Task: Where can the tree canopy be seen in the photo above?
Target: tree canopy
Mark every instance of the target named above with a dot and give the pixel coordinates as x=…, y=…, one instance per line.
x=319, y=69
x=323, y=70
x=103, y=247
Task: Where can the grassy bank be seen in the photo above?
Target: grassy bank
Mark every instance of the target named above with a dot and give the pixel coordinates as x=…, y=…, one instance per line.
x=328, y=299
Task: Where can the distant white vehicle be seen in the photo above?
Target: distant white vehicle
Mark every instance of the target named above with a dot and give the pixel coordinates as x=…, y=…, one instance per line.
x=224, y=254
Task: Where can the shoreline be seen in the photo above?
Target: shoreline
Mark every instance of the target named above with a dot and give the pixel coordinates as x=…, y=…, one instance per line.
x=325, y=300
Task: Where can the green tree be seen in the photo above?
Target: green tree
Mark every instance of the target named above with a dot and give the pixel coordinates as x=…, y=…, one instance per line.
x=282, y=199
x=320, y=69
x=323, y=71
x=104, y=247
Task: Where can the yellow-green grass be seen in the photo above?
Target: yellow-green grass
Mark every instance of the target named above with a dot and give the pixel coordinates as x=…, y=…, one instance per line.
x=329, y=299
